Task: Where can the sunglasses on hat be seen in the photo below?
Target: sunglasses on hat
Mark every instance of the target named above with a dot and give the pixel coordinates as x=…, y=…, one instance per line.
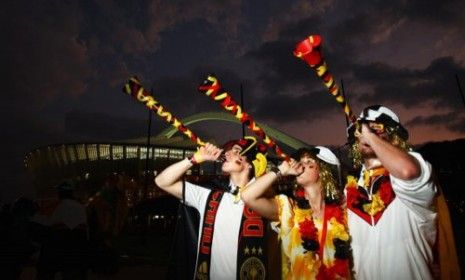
x=375, y=127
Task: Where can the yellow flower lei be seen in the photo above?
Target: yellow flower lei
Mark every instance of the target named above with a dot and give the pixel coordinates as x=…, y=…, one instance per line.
x=372, y=208
x=376, y=205
x=336, y=230
x=351, y=182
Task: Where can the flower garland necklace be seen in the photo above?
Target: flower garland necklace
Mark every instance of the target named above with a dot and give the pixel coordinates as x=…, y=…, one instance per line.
x=333, y=215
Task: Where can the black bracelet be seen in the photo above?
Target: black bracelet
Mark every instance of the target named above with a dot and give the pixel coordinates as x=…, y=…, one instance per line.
x=192, y=160
x=276, y=171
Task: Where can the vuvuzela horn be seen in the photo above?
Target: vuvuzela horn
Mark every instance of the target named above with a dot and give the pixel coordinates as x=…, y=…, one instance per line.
x=309, y=50
x=212, y=87
x=134, y=88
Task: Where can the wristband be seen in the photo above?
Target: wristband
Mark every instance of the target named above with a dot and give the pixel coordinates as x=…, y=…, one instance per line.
x=192, y=159
x=196, y=158
x=276, y=170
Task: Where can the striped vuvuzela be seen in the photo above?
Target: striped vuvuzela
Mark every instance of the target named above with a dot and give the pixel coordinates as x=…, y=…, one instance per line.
x=309, y=50
x=212, y=87
x=133, y=87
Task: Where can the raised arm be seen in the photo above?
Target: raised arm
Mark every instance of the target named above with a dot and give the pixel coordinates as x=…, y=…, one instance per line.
x=255, y=194
x=398, y=162
x=170, y=179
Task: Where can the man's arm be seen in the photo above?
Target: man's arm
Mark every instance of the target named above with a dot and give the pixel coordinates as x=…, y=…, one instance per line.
x=170, y=179
x=398, y=162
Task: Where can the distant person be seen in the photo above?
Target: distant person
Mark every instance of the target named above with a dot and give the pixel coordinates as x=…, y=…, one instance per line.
x=312, y=225
x=107, y=211
x=16, y=246
x=65, y=247
x=111, y=206
x=231, y=235
x=391, y=216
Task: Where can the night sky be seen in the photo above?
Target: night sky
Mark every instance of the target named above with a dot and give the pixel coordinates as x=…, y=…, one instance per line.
x=64, y=64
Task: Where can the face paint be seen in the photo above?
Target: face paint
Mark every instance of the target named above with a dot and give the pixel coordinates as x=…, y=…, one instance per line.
x=234, y=155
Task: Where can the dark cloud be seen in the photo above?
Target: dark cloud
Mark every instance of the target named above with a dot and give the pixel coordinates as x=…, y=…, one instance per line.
x=185, y=46
x=433, y=85
x=454, y=121
x=291, y=89
x=310, y=107
x=430, y=11
x=43, y=57
x=280, y=67
x=101, y=127
x=437, y=12
x=301, y=29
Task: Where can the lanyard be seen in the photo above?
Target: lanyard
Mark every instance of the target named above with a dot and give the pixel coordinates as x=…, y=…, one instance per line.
x=323, y=234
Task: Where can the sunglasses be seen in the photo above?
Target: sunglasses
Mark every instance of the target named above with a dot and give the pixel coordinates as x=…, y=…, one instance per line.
x=377, y=128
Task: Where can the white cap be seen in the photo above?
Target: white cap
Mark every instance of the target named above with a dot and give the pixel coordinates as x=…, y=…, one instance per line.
x=374, y=113
x=326, y=155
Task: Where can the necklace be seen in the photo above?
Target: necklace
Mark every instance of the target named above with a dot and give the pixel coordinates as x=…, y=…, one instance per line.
x=370, y=207
x=333, y=225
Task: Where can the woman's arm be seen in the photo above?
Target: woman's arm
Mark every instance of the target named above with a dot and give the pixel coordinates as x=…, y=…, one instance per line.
x=254, y=197
x=255, y=194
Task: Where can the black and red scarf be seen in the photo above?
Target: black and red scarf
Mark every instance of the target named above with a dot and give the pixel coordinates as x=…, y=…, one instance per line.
x=251, y=250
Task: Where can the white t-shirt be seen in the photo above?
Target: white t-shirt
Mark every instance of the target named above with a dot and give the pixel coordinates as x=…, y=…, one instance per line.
x=68, y=212
x=223, y=262
x=400, y=245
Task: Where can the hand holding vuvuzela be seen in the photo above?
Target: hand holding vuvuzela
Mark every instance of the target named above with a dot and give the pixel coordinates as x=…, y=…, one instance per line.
x=208, y=152
x=290, y=168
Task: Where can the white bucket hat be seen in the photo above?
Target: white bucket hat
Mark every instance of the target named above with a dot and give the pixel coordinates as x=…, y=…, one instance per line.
x=379, y=114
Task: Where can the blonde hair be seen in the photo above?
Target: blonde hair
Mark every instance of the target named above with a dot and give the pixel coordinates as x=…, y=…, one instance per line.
x=328, y=178
x=329, y=182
